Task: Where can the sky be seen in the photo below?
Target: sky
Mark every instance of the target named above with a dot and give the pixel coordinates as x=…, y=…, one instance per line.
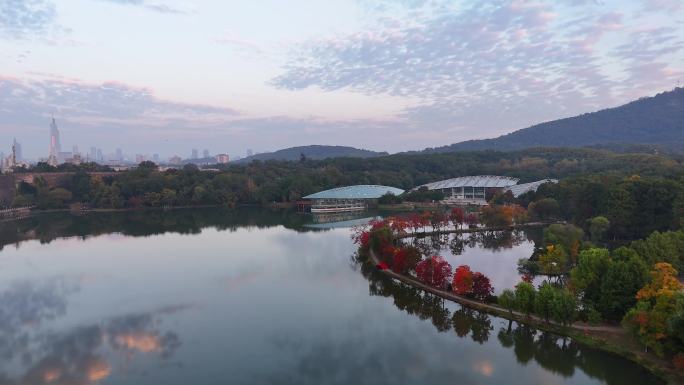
x=152, y=76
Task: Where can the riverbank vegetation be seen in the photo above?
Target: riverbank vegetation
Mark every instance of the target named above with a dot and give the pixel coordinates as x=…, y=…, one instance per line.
x=281, y=181
x=634, y=285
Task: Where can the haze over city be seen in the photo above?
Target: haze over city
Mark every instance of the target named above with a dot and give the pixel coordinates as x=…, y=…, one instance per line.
x=165, y=77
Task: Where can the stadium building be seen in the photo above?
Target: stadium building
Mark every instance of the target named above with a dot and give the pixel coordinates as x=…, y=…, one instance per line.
x=478, y=189
x=349, y=198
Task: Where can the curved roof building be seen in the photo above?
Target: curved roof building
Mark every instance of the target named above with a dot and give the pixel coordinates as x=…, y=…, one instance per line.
x=348, y=198
x=471, y=189
x=486, y=181
x=521, y=189
x=362, y=191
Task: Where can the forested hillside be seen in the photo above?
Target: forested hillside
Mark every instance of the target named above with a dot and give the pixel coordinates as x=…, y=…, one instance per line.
x=313, y=152
x=657, y=120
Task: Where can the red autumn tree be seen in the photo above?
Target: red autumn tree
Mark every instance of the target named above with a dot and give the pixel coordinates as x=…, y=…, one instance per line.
x=457, y=216
x=482, y=287
x=399, y=225
x=463, y=280
x=434, y=271
x=405, y=259
x=415, y=221
x=438, y=220
x=471, y=219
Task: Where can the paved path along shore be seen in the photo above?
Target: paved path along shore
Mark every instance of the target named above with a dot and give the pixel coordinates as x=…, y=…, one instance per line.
x=489, y=308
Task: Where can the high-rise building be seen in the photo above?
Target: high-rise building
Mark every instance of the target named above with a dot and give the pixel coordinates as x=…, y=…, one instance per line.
x=55, y=145
x=222, y=158
x=155, y=158
x=119, y=155
x=175, y=159
x=100, y=156
x=250, y=152
x=205, y=153
x=93, y=154
x=194, y=154
x=74, y=149
x=17, y=150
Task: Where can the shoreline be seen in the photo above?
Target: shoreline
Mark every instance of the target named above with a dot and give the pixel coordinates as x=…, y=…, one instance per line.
x=611, y=339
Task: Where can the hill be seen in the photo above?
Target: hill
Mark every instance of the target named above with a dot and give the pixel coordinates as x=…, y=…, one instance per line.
x=657, y=121
x=315, y=152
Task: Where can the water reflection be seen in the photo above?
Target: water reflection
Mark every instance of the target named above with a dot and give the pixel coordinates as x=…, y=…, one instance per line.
x=272, y=303
x=83, y=355
x=491, y=240
x=51, y=226
x=556, y=354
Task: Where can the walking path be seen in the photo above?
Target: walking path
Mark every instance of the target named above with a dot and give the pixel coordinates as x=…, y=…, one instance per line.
x=489, y=308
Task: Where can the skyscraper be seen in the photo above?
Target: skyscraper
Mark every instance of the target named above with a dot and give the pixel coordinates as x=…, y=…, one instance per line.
x=250, y=152
x=17, y=150
x=55, y=146
x=205, y=153
x=194, y=154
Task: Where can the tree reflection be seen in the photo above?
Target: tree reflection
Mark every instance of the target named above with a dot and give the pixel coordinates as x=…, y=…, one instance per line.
x=457, y=243
x=47, y=227
x=557, y=354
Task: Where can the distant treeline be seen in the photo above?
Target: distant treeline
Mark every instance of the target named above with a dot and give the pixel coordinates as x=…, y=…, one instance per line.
x=639, y=193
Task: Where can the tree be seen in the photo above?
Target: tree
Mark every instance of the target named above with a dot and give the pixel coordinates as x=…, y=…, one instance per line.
x=563, y=306
x=586, y=277
x=567, y=236
x=544, y=209
x=543, y=300
x=434, y=271
x=482, y=287
x=656, y=303
x=405, y=259
x=471, y=220
x=598, y=226
x=463, y=280
x=507, y=300
x=554, y=261
x=618, y=287
x=457, y=216
x=524, y=297
x=168, y=197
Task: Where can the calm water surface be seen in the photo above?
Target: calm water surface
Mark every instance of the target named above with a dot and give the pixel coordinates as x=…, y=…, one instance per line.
x=249, y=297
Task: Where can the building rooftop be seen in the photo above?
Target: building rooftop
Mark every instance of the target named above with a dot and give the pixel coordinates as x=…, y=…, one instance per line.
x=473, y=181
x=356, y=192
x=521, y=189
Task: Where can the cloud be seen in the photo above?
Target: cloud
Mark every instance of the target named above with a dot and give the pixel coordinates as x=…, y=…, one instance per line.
x=24, y=19
x=118, y=115
x=94, y=104
x=495, y=65
x=153, y=6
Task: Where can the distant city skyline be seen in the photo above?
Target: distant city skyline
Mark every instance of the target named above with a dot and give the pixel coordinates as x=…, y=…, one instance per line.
x=382, y=75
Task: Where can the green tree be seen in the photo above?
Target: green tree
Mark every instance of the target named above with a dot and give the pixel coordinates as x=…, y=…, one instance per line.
x=618, y=287
x=563, y=306
x=544, y=209
x=524, y=297
x=586, y=277
x=507, y=300
x=567, y=236
x=598, y=226
x=554, y=261
x=543, y=300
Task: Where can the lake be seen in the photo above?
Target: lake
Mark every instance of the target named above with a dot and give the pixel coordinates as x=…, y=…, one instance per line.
x=250, y=296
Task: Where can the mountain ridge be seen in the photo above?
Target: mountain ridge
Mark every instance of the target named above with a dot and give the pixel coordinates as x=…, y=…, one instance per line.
x=315, y=152
x=656, y=120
